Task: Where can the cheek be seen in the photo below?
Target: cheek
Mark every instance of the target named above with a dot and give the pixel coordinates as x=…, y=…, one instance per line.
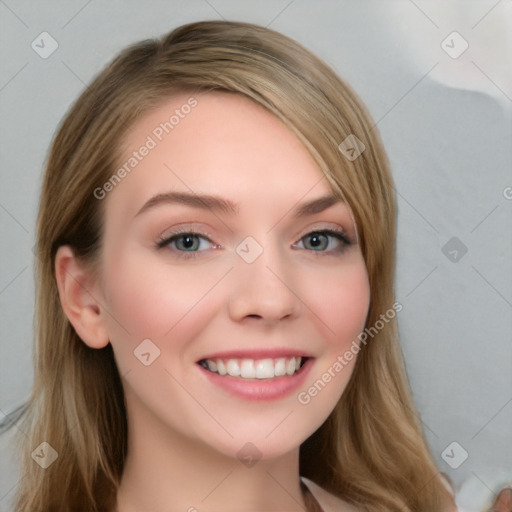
x=342, y=304
x=160, y=302
x=341, y=308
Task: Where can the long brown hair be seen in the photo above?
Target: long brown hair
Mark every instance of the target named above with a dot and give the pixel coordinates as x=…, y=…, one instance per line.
x=371, y=450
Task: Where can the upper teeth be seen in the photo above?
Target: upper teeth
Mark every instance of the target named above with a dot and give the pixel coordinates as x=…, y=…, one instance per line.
x=254, y=368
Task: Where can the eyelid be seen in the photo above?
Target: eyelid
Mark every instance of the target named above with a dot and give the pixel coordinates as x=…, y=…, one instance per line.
x=166, y=239
x=185, y=229
x=336, y=228
x=343, y=239
x=194, y=229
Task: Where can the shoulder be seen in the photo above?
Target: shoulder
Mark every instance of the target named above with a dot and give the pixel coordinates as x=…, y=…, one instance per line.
x=329, y=502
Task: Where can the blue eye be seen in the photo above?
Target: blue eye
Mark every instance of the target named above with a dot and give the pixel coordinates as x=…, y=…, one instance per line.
x=187, y=244
x=321, y=239
x=189, y=241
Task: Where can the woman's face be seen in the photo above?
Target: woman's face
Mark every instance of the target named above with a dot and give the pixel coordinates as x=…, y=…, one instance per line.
x=208, y=260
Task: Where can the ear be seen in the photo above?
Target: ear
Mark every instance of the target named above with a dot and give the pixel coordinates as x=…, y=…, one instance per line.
x=80, y=298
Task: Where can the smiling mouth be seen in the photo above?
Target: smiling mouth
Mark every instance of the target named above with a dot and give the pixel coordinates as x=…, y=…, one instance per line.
x=251, y=369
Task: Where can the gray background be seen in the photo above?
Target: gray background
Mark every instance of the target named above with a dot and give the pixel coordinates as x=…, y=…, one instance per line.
x=446, y=124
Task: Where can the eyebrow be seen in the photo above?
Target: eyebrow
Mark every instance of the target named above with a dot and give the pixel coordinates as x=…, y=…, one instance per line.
x=221, y=205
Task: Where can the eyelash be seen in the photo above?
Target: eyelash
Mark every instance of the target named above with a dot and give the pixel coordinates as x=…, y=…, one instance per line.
x=338, y=234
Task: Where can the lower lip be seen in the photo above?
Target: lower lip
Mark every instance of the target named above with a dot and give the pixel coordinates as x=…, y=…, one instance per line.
x=260, y=389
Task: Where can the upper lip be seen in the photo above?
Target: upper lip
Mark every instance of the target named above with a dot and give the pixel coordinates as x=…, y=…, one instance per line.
x=258, y=353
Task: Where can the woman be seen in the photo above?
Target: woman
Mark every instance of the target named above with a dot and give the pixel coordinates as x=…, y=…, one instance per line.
x=195, y=349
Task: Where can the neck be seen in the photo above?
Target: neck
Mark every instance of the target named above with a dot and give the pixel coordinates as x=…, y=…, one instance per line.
x=166, y=471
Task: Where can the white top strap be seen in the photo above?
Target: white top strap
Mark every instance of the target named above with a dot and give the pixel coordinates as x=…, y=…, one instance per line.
x=326, y=500
x=330, y=503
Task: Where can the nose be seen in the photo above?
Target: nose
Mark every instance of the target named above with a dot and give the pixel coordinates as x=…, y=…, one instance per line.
x=264, y=289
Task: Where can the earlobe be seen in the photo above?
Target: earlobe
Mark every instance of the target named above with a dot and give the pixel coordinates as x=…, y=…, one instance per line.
x=80, y=299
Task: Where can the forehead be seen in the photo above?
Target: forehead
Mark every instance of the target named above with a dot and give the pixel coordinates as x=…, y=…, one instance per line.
x=218, y=143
